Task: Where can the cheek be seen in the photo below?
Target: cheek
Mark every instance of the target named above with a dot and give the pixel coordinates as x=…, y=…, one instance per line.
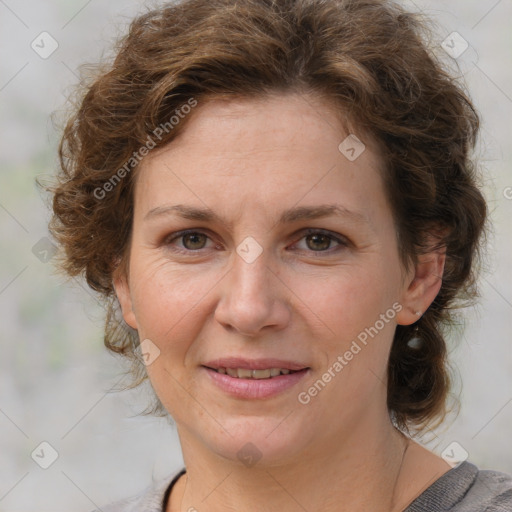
x=171, y=306
x=167, y=301
x=350, y=303
x=346, y=300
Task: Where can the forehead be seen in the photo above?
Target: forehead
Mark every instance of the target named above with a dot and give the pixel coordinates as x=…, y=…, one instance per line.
x=277, y=149
x=265, y=122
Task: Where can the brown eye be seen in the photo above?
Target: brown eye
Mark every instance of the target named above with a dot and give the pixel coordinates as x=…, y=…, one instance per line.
x=318, y=242
x=188, y=241
x=194, y=241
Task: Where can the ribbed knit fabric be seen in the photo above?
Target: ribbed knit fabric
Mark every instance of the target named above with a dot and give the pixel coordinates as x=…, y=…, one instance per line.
x=462, y=489
x=466, y=489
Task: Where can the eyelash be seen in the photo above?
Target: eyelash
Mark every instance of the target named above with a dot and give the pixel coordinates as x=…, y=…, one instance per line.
x=343, y=242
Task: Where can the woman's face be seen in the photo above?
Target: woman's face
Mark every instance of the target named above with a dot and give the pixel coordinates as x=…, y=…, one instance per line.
x=258, y=244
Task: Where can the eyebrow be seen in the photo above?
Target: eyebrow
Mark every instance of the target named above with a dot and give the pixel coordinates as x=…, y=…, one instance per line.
x=288, y=216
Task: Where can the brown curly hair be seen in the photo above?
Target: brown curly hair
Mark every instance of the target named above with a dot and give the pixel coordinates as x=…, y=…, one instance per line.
x=371, y=59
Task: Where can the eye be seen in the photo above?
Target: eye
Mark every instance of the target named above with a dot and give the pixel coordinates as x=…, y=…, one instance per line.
x=190, y=241
x=318, y=240
x=314, y=240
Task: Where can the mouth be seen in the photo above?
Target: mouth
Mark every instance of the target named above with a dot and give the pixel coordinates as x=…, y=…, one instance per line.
x=254, y=379
x=247, y=373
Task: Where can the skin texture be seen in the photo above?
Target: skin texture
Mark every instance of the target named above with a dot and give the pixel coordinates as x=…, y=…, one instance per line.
x=303, y=298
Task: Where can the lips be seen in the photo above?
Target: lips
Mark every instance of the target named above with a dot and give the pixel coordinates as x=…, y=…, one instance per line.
x=254, y=378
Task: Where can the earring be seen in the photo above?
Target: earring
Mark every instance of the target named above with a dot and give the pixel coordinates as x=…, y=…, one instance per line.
x=415, y=343
x=418, y=313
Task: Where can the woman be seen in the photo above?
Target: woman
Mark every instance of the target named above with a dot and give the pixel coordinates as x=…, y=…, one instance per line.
x=278, y=200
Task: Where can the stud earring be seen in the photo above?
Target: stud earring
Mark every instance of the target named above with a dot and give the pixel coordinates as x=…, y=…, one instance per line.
x=418, y=313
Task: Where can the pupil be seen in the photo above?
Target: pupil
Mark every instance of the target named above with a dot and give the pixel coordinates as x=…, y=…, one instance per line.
x=191, y=241
x=319, y=246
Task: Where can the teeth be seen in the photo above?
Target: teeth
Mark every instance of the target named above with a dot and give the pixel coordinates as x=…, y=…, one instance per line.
x=260, y=374
x=244, y=373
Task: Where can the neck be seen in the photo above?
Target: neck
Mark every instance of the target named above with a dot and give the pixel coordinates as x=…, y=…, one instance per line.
x=362, y=473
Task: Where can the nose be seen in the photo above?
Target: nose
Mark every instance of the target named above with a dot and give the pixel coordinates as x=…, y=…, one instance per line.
x=253, y=298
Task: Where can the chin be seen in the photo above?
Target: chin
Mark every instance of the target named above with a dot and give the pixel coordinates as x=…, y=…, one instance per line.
x=259, y=440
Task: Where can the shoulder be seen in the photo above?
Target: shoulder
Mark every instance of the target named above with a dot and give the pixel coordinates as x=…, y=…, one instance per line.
x=490, y=489
x=466, y=488
x=149, y=500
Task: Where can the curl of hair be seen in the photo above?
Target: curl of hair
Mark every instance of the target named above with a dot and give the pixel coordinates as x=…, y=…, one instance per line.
x=371, y=60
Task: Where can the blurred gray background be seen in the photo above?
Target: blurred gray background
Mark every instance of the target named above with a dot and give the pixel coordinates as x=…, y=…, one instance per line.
x=55, y=376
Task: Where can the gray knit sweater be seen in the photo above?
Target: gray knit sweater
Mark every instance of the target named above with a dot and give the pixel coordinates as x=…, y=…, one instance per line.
x=462, y=489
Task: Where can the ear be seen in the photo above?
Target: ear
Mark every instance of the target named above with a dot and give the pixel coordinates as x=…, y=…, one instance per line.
x=422, y=286
x=122, y=290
